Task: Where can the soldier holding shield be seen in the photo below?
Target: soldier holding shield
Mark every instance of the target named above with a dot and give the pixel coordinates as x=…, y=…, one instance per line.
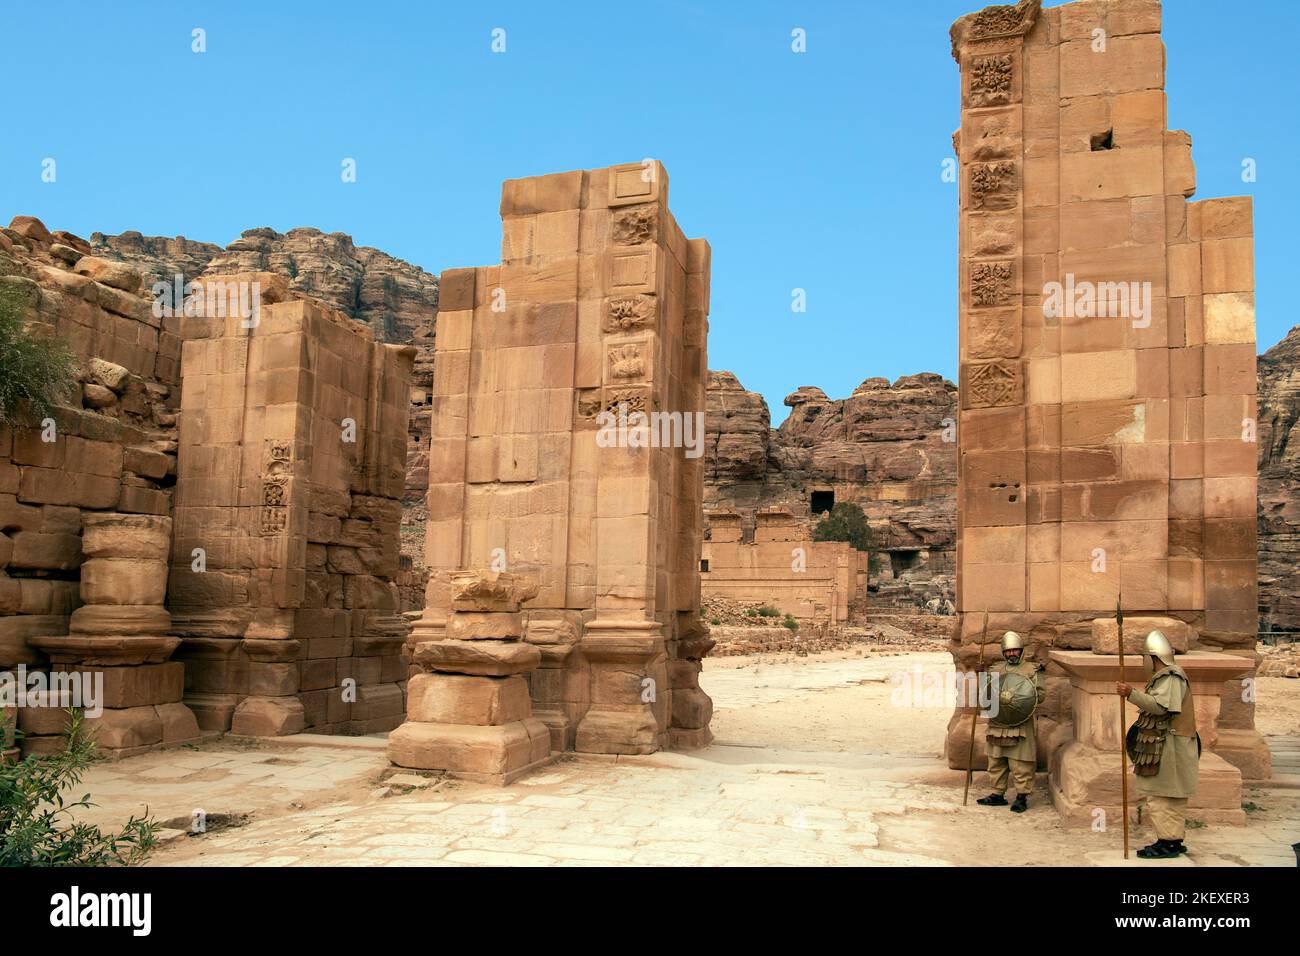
x=1012, y=749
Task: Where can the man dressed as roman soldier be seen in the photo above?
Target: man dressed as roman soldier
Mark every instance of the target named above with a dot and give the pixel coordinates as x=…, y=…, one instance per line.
x=1011, y=746
x=1164, y=747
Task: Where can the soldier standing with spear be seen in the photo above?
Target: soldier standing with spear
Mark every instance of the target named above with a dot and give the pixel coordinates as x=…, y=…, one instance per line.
x=1165, y=747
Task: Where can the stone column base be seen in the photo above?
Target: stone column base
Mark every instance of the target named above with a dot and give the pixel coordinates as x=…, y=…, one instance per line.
x=627, y=714
x=268, y=717
x=139, y=695
x=1085, y=779
x=495, y=755
x=1246, y=750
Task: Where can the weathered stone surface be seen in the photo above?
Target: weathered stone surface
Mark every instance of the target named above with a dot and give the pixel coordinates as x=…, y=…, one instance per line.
x=1279, y=485
x=268, y=717
x=114, y=274
x=488, y=658
x=127, y=728
x=461, y=699
x=494, y=753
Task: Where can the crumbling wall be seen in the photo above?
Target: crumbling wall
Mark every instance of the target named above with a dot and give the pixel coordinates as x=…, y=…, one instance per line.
x=290, y=474
x=110, y=451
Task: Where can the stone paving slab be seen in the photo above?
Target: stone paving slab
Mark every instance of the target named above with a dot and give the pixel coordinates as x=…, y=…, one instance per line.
x=311, y=802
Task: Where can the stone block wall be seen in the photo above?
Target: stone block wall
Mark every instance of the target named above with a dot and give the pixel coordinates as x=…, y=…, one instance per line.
x=290, y=474
x=106, y=458
x=1107, y=387
x=811, y=580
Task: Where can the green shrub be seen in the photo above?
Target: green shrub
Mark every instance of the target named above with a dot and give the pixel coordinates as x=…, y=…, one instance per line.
x=768, y=611
x=846, y=521
x=36, y=372
x=35, y=824
x=790, y=623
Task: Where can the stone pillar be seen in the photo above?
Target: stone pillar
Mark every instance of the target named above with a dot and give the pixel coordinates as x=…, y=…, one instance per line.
x=1106, y=442
x=119, y=636
x=548, y=456
x=468, y=711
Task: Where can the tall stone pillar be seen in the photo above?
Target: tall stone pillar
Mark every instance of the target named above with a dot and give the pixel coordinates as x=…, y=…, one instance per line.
x=1106, y=436
x=568, y=389
x=119, y=641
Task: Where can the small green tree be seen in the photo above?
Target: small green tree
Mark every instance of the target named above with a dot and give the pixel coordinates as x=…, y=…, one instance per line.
x=35, y=828
x=36, y=372
x=847, y=522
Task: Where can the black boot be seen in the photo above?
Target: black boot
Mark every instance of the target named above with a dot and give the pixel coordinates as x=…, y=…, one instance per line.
x=992, y=800
x=1021, y=804
x=1177, y=847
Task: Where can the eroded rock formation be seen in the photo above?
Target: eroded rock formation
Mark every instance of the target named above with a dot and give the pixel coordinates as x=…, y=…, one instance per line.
x=1279, y=485
x=886, y=447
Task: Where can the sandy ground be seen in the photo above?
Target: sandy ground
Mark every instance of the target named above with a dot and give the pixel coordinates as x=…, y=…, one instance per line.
x=836, y=702
x=857, y=714
x=812, y=765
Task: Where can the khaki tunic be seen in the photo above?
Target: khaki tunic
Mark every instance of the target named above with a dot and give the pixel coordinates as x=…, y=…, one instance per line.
x=1179, y=761
x=1026, y=747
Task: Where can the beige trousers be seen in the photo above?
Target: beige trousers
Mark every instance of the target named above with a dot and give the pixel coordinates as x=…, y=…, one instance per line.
x=1168, y=816
x=1020, y=771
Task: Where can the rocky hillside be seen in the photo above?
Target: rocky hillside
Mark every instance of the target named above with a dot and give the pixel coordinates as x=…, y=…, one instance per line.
x=393, y=297
x=1279, y=485
x=882, y=447
x=397, y=300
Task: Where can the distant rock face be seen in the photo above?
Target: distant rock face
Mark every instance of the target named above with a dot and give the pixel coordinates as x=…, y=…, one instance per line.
x=1279, y=485
x=397, y=300
x=883, y=447
x=393, y=297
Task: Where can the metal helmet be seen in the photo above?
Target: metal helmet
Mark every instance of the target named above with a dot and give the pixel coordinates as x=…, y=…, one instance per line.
x=1012, y=641
x=1158, y=646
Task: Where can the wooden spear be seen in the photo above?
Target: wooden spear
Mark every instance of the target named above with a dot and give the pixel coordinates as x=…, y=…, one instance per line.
x=970, y=750
x=1123, y=753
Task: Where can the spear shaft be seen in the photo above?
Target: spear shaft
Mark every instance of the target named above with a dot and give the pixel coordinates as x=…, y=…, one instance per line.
x=970, y=749
x=1123, y=753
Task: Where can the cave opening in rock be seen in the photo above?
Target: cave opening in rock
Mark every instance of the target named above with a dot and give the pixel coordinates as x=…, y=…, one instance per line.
x=822, y=502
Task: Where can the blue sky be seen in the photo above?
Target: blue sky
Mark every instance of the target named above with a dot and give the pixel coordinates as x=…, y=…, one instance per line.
x=819, y=171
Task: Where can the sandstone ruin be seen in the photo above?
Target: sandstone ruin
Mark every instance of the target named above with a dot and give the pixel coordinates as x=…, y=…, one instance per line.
x=1106, y=435
x=783, y=567
x=552, y=553
x=223, y=552
x=214, y=524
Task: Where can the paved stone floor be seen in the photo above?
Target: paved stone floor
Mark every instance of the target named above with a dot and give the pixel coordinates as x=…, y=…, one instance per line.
x=804, y=799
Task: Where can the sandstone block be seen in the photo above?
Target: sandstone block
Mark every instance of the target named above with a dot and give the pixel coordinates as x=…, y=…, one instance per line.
x=268, y=717
x=126, y=728
x=493, y=752
x=459, y=699
x=480, y=658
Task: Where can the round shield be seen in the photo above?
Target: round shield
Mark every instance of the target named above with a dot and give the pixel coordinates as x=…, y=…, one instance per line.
x=1017, y=698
